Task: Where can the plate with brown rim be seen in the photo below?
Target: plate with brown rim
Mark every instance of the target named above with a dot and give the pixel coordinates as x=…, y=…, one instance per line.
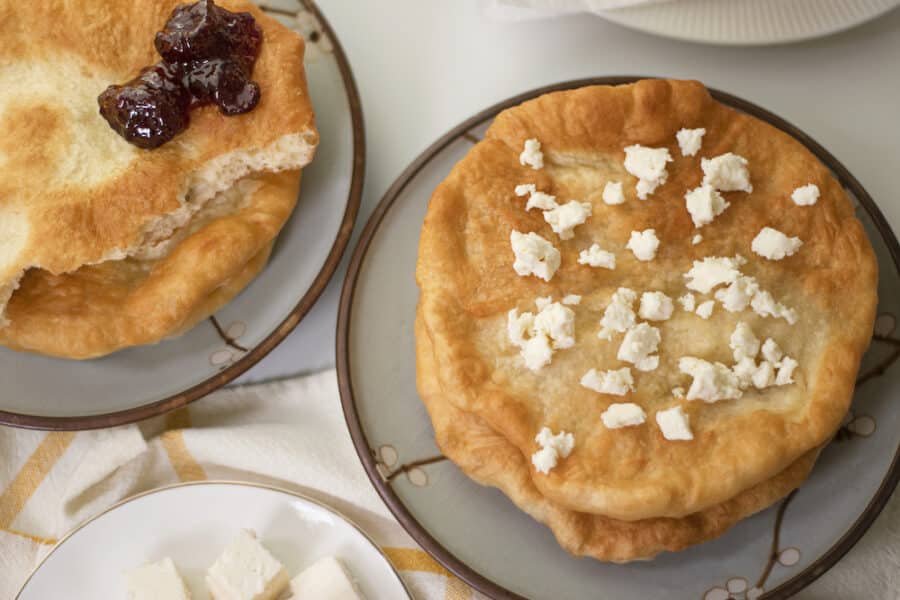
x=134, y=384
x=478, y=534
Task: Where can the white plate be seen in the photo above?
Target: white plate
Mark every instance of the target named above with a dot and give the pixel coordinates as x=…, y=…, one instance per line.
x=192, y=523
x=138, y=383
x=749, y=22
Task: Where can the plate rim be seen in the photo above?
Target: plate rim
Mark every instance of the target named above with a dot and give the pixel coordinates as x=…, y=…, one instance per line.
x=219, y=482
x=287, y=325
x=343, y=364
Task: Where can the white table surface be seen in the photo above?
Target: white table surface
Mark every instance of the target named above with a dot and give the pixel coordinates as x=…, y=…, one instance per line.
x=424, y=66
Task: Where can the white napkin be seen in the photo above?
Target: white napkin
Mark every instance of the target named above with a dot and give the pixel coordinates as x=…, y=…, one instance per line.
x=291, y=434
x=517, y=10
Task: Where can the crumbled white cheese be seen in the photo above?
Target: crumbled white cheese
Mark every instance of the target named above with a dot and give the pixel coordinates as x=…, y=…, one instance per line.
x=713, y=271
x=639, y=347
x=765, y=305
x=674, y=424
x=553, y=328
x=572, y=300
x=737, y=296
x=557, y=322
x=690, y=140
x=744, y=371
x=655, y=306
x=597, y=257
x=525, y=189
x=786, y=371
x=532, y=155
x=727, y=172
x=743, y=342
x=537, y=352
x=617, y=383
x=543, y=302
x=774, y=245
x=696, y=239
x=625, y=414
x=764, y=376
x=542, y=201
x=619, y=315
x=678, y=392
x=688, y=302
x=712, y=381
x=612, y=193
x=649, y=166
x=644, y=244
x=704, y=204
x=534, y=255
x=563, y=219
x=553, y=447
x=519, y=327
x=705, y=310
x=771, y=352
x=806, y=195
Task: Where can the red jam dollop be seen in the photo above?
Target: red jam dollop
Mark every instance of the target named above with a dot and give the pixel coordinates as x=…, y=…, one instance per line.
x=208, y=54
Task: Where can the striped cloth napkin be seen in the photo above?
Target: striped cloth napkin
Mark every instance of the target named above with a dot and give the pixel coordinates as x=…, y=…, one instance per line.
x=51, y=482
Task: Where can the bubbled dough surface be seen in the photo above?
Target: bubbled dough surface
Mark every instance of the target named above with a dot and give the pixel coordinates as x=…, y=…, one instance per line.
x=467, y=286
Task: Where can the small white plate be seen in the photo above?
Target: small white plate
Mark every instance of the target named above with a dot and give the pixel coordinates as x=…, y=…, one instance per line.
x=192, y=523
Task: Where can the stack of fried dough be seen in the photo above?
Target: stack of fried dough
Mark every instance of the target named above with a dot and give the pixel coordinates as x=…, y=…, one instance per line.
x=629, y=493
x=104, y=245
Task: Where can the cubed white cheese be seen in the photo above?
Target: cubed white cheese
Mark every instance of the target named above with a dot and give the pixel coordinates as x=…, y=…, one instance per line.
x=655, y=306
x=246, y=571
x=612, y=193
x=597, y=257
x=572, y=300
x=705, y=310
x=649, y=166
x=786, y=371
x=564, y=219
x=737, y=296
x=712, y=381
x=534, y=255
x=764, y=376
x=644, y=244
x=696, y=239
x=639, y=347
x=806, y=195
x=688, y=302
x=625, y=414
x=727, y=172
x=765, y=305
x=774, y=245
x=617, y=383
x=690, y=140
x=552, y=448
x=156, y=581
x=744, y=342
x=713, y=271
x=674, y=424
x=326, y=579
x=531, y=155
x=704, y=204
x=619, y=314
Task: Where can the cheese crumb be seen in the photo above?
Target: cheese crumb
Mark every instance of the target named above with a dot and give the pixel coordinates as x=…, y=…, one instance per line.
x=774, y=245
x=786, y=371
x=525, y=189
x=597, y=257
x=704, y=204
x=557, y=322
x=737, y=296
x=674, y=424
x=705, y=310
x=744, y=371
x=572, y=300
x=727, y=172
x=649, y=166
x=688, y=302
x=771, y=352
x=534, y=255
x=563, y=219
x=712, y=381
x=765, y=305
x=626, y=414
x=713, y=271
x=619, y=315
x=639, y=347
x=806, y=195
x=764, y=376
x=655, y=306
x=696, y=239
x=553, y=447
x=531, y=155
x=644, y=244
x=613, y=194
x=617, y=383
x=537, y=336
x=743, y=342
x=543, y=302
x=690, y=140
x=542, y=201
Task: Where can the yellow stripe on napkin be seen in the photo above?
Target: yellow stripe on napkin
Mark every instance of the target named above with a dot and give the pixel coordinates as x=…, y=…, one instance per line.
x=412, y=559
x=185, y=465
x=32, y=473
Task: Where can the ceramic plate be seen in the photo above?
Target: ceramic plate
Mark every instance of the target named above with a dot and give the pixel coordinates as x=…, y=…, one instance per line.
x=482, y=537
x=192, y=523
x=749, y=22
x=141, y=382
